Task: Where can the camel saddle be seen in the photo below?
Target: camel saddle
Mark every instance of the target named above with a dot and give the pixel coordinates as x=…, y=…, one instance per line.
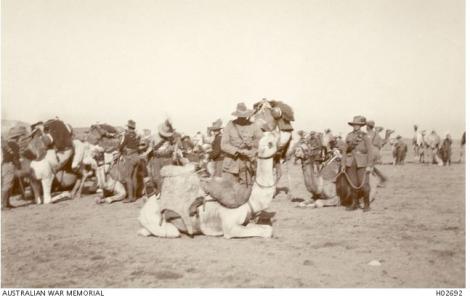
x=227, y=193
x=180, y=188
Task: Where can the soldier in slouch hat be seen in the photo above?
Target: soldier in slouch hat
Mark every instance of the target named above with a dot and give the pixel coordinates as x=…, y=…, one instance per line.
x=216, y=154
x=239, y=144
x=129, y=147
x=358, y=162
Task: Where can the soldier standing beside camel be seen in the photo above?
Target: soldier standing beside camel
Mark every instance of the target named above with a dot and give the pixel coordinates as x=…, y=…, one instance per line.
x=358, y=162
x=129, y=147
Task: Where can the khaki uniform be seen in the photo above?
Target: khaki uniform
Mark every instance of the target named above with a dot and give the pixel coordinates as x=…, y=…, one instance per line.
x=129, y=147
x=358, y=154
x=358, y=149
x=240, y=135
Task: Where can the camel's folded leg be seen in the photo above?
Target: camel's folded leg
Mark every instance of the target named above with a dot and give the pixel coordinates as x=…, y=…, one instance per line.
x=327, y=202
x=250, y=230
x=119, y=193
x=61, y=196
x=150, y=219
x=75, y=187
x=46, y=189
x=82, y=183
x=144, y=232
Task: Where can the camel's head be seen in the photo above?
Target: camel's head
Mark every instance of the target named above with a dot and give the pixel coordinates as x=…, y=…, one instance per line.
x=268, y=144
x=263, y=115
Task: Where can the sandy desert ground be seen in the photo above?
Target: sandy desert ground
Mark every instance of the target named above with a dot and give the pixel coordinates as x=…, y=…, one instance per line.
x=416, y=230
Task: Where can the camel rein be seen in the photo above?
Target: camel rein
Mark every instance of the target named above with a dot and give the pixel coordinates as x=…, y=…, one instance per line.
x=350, y=181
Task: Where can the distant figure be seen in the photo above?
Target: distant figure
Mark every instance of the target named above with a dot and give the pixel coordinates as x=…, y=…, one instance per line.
x=198, y=139
x=462, y=148
x=301, y=141
x=445, y=151
x=377, y=144
x=129, y=147
x=399, y=151
x=418, y=144
x=216, y=156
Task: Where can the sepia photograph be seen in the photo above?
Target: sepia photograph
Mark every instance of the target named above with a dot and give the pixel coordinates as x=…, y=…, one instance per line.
x=298, y=144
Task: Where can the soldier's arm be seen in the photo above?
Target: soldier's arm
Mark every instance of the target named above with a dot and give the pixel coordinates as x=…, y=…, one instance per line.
x=225, y=142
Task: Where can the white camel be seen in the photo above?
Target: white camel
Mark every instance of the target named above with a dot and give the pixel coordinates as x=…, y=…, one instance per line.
x=212, y=218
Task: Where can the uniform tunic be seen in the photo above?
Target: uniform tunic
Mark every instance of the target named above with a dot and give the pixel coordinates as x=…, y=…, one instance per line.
x=129, y=147
x=240, y=135
x=357, y=156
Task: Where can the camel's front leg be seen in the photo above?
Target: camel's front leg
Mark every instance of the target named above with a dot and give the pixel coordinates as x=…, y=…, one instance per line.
x=46, y=189
x=250, y=230
x=36, y=186
x=82, y=183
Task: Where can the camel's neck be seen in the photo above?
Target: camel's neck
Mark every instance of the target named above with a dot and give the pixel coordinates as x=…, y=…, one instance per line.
x=312, y=174
x=263, y=190
x=264, y=172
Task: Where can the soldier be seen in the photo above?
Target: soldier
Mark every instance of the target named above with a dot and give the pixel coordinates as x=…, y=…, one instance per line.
x=216, y=154
x=240, y=144
x=357, y=162
x=10, y=162
x=377, y=144
x=167, y=150
x=168, y=146
x=129, y=148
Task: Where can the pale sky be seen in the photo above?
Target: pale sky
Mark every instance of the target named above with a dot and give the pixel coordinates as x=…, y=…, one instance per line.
x=398, y=62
